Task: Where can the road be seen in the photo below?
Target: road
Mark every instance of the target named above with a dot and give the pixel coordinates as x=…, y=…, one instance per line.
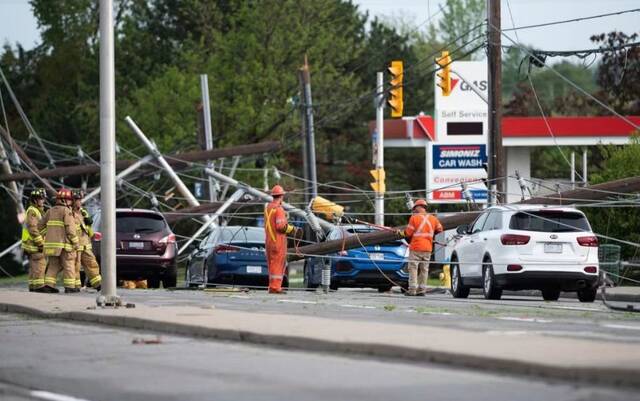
x=51, y=359
x=514, y=314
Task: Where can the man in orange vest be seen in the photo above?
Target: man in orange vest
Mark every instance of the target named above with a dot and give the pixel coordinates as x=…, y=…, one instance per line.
x=276, y=229
x=421, y=229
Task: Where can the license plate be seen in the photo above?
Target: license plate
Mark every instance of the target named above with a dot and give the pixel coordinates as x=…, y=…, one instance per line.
x=376, y=256
x=136, y=245
x=552, y=248
x=254, y=269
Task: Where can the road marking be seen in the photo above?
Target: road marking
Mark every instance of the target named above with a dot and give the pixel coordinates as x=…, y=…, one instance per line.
x=507, y=333
x=358, y=306
x=46, y=395
x=240, y=296
x=621, y=326
x=525, y=319
x=574, y=308
x=297, y=301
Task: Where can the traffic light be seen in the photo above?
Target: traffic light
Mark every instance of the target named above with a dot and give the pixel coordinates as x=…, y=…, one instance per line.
x=378, y=185
x=444, y=61
x=396, y=101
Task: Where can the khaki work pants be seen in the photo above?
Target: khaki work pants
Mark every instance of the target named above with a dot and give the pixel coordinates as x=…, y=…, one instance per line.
x=37, y=267
x=87, y=259
x=418, y=270
x=66, y=263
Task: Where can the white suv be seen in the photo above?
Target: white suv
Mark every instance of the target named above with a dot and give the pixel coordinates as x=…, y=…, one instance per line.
x=517, y=247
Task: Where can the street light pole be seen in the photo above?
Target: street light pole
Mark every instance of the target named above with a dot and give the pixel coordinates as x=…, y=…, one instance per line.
x=107, y=157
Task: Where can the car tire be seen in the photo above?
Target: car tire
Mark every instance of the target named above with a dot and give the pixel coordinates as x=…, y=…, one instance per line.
x=385, y=288
x=306, y=280
x=458, y=290
x=550, y=294
x=153, y=282
x=333, y=287
x=489, y=287
x=587, y=295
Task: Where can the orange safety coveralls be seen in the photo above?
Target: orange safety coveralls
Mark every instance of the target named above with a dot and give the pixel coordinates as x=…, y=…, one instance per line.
x=276, y=229
x=422, y=228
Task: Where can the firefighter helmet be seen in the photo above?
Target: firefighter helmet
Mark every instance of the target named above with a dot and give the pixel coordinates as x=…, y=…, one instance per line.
x=64, y=193
x=38, y=193
x=420, y=202
x=78, y=194
x=277, y=190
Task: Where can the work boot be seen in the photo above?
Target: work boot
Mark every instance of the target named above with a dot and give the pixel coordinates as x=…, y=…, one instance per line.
x=421, y=292
x=70, y=290
x=98, y=288
x=411, y=292
x=47, y=290
x=276, y=291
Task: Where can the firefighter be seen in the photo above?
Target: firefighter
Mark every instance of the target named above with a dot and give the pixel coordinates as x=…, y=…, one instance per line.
x=421, y=230
x=32, y=241
x=61, y=242
x=85, y=255
x=276, y=229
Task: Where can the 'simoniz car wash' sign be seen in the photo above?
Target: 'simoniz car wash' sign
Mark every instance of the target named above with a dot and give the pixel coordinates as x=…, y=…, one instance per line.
x=459, y=153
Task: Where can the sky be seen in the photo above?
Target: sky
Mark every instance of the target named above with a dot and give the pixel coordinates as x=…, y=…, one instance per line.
x=17, y=23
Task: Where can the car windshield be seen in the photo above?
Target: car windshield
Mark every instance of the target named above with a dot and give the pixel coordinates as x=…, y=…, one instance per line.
x=549, y=221
x=139, y=224
x=239, y=234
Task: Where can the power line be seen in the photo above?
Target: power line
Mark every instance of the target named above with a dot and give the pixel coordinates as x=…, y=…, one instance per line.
x=572, y=20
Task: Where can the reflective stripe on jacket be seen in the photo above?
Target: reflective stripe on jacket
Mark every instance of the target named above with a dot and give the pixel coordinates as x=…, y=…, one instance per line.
x=31, y=236
x=82, y=231
x=61, y=230
x=276, y=227
x=422, y=228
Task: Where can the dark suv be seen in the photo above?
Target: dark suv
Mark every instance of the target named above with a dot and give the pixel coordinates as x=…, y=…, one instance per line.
x=145, y=247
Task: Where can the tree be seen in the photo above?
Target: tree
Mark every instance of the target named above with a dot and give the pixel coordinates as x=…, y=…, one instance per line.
x=461, y=23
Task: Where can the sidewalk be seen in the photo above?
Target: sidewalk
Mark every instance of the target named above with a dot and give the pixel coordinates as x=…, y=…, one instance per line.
x=560, y=358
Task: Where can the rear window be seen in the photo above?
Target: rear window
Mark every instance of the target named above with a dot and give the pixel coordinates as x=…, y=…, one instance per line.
x=241, y=234
x=549, y=221
x=139, y=224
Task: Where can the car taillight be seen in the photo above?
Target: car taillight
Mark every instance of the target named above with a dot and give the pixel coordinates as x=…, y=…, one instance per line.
x=591, y=240
x=97, y=236
x=169, y=239
x=591, y=269
x=226, y=249
x=514, y=268
x=514, y=239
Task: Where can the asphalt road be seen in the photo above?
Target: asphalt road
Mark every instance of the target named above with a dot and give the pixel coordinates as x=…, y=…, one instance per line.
x=43, y=359
x=513, y=314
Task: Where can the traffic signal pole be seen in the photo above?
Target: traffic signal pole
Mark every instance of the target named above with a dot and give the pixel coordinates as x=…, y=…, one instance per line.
x=379, y=200
x=495, y=151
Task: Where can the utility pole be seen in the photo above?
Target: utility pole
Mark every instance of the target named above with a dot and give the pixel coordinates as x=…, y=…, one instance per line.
x=379, y=204
x=310, y=135
x=305, y=145
x=495, y=151
x=107, y=157
x=208, y=135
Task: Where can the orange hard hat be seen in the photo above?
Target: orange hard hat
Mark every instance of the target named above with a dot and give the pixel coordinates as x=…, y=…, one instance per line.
x=420, y=202
x=277, y=190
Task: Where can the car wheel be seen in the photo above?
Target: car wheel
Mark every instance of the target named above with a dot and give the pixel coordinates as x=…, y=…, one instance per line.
x=170, y=281
x=385, y=288
x=153, y=282
x=489, y=287
x=333, y=287
x=587, y=295
x=550, y=294
x=458, y=290
x=306, y=281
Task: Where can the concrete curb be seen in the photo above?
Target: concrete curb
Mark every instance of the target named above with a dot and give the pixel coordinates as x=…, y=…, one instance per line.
x=606, y=376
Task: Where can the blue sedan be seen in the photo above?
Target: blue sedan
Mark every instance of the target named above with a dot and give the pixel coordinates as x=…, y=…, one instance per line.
x=231, y=255
x=376, y=266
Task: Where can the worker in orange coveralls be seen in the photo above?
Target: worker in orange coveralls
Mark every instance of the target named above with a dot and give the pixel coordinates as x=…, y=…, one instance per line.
x=276, y=228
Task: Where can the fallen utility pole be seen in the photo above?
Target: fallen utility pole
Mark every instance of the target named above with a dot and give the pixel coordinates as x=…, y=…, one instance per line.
x=27, y=160
x=205, y=208
x=120, y=176
x=597, y=192
x=153, y=149
x=177, y=161
x=265, y=197
x=15, y=194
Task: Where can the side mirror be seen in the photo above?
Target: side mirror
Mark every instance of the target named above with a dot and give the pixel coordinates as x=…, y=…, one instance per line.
x=463, y=229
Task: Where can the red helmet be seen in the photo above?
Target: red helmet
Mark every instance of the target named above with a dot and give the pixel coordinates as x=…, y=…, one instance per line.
x=420, y=202
x=64, y=193
x=277, y=190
